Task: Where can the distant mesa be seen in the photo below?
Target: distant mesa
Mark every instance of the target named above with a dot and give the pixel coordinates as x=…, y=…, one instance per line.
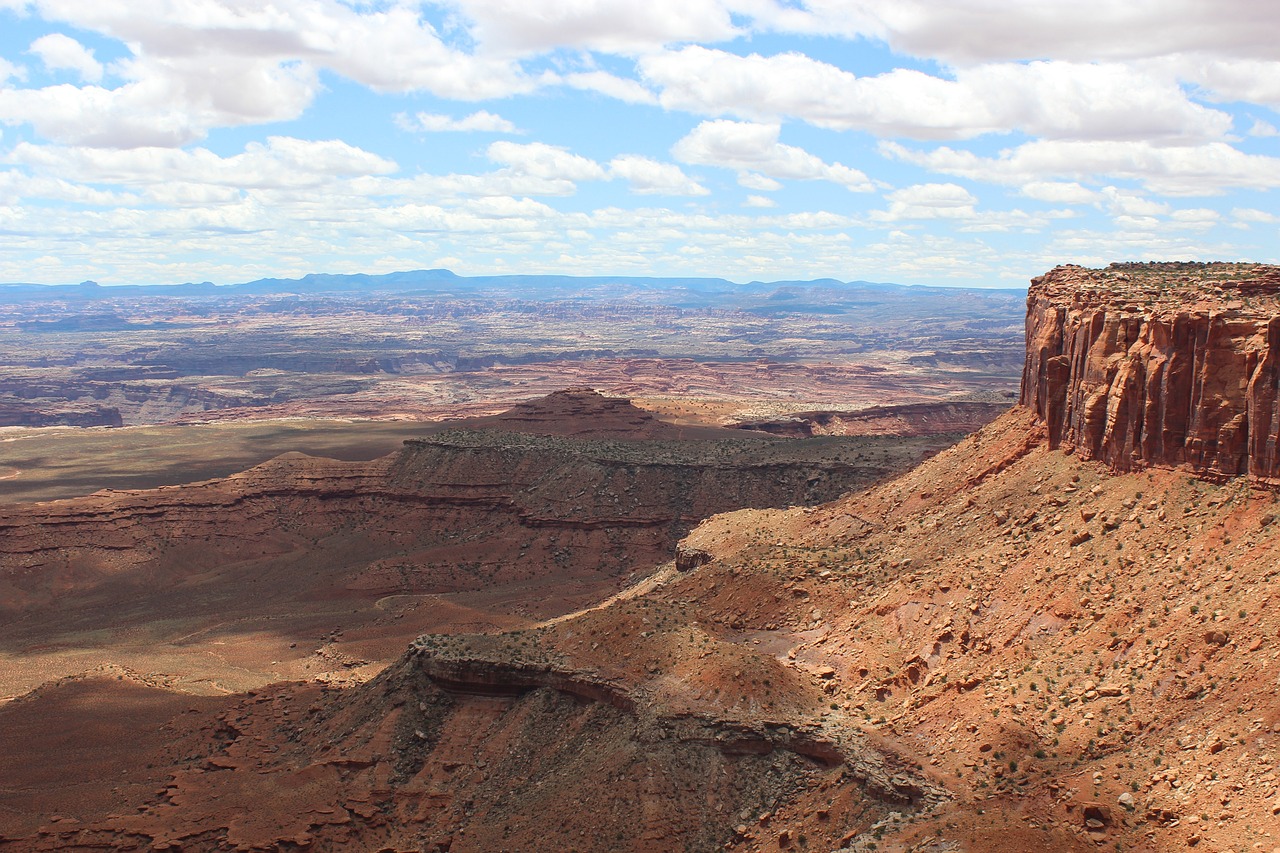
x=586, y=413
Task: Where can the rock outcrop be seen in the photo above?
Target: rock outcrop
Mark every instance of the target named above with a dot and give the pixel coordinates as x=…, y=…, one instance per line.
x=958, y=417
x=1165, y=364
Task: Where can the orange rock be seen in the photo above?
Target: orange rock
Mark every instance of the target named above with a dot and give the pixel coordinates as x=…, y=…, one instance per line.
x=1142, y=364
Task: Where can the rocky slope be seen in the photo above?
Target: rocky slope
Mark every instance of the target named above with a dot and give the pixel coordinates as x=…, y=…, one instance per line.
x=1159, y=364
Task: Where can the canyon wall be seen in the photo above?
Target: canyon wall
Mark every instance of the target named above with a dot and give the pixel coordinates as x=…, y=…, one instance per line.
x=463, y=509
x=1168, y=364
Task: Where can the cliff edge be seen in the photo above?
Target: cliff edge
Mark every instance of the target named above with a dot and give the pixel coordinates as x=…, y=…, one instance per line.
x=1159, y=364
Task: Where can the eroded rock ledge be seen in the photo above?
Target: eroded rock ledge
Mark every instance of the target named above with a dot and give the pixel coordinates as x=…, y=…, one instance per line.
x=1168, y=364
x=457, y=665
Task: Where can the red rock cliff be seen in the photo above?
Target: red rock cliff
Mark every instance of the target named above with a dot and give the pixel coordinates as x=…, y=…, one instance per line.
x=1159, y=364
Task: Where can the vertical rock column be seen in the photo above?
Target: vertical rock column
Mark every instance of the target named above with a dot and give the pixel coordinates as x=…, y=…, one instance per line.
x=1159, y=364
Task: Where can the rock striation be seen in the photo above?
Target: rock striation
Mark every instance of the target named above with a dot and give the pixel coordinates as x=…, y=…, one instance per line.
x=467, y=507
x=1159, y=364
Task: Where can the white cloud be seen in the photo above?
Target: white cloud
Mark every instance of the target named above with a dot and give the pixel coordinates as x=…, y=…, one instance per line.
x=714, y=82
x=756, y=181
x=1120, y=203
x=1009, y=221
x=1263, y=129
x=62, y=53
x=1110, y=105
x=482, y=121
x=161, y=109
x=1141, y=240
x=754, y=148
x=509, y=181
x=1051, y=99
x=224, y=63
x=1209, y=169
x=1060, y=192
x=16, y=186
x=389, y=48
x=649, y=177
x=1196, y=217
x=619, y=88
x=929, y=201
x=1081, y=30
x=9, y=71
x=540, y=160
x=283, y=162
x=1249, y=214
x=516, y=27
x=1231, y=79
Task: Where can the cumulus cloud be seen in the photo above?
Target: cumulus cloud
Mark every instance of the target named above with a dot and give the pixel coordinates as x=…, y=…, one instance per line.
x=756, y=181
x=650, y=177
x=1121, y=203
x=929, y=201
x=619, y=88
x=613, y=26
x=1051, y=99
x=62, y=53
x=483, y=121
x=1231, y=79
x=9, y=71
x=1263, y=129
x=1249, y=214
x=1060, y=192
x=1086, y=29
x=546, y=161
x=753, y=148
x=1106, y=105
x=282, y=162
x=1196, y=217
x=225, y=63
x=160, y=109
x=1208, y=169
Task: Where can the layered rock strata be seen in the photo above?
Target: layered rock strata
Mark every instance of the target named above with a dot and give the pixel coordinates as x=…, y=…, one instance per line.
x=461, y=509
x=1168, y=364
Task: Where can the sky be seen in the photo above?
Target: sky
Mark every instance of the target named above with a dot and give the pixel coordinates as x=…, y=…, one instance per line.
x=946, y=142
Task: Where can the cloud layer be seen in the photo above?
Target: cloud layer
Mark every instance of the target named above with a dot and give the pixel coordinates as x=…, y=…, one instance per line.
x=678, y=136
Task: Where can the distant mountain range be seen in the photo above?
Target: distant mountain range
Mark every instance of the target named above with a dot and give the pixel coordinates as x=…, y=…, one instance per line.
x=445, y=283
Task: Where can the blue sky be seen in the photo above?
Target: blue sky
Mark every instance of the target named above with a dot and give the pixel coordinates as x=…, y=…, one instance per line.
x=963, y=142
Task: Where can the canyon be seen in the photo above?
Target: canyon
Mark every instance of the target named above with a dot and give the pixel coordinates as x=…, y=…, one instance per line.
x=428, y=345
x=1058, y=633
x=486, y=522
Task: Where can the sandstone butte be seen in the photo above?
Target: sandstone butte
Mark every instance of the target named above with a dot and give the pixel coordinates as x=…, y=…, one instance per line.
x=1059, y=634
x=1159, y=364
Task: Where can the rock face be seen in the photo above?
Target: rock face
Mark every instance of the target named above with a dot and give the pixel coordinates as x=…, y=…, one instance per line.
x=627, y=502
x=1166, y=364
